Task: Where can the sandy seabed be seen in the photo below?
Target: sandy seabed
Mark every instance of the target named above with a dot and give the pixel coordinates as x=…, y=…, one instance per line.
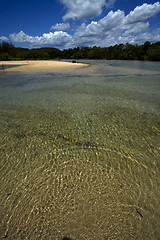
x=79, y=153
x=40, y=65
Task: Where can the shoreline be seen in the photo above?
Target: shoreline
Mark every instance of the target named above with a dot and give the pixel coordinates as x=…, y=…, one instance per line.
x=40, y=65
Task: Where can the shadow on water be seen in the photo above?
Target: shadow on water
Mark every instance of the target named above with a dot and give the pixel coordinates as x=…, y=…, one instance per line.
x=3, y=67
x=66, y=238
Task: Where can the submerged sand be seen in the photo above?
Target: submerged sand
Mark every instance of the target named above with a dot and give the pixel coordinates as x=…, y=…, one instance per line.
x=79, y=155
x=40, y=65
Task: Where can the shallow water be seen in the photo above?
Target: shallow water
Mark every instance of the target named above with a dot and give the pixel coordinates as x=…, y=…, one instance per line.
x=79, y=153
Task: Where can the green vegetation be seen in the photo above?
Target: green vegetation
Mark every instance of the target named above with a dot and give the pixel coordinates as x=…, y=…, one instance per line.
x=127, y=51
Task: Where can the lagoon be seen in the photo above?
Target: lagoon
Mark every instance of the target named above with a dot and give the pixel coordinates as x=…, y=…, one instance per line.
x=79, y=152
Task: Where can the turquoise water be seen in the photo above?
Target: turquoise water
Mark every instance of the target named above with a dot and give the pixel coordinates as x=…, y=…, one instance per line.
x=79, y=152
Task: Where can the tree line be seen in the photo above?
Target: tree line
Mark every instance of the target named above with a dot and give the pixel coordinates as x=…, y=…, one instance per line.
x=127, y=51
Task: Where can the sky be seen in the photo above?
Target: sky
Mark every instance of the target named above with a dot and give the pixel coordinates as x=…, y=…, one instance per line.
x=67, y=24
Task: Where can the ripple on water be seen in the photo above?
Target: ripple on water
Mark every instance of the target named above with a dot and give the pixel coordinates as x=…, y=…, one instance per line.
x=95, y=177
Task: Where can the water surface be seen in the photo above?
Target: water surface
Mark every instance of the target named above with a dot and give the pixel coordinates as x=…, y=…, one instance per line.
x=79, y=153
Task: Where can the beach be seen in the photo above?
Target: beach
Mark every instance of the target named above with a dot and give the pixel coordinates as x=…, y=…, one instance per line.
x=39, y=65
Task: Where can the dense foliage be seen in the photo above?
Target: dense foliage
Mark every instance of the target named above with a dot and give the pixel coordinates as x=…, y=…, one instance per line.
x=127, y=51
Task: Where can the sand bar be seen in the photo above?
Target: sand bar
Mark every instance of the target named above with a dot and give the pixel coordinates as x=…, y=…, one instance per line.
x=40, y=65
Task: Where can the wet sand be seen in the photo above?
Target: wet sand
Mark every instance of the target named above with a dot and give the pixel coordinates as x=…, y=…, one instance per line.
x=40, y=65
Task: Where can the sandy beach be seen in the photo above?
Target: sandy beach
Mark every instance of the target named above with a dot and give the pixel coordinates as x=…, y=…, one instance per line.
x=40, y=65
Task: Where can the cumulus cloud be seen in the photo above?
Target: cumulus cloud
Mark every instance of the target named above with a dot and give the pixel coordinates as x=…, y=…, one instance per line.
x=96, y=31
x=136, y=28
x=3, y=38
x=115, y=27
x=112, y=20
x=112, y=29
x=141, y=13
x=82, y=9
x=60, y=26
x=152, y=37
x=102, y=32
x=56, y=39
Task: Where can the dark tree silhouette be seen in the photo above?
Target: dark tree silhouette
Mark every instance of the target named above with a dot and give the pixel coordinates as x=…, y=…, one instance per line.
x=127, y=51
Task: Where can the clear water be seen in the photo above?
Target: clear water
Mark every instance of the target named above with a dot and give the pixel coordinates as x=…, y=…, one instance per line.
x=79, y=153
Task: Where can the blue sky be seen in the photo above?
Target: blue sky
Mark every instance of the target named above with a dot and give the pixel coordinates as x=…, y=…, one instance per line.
x=72, y=23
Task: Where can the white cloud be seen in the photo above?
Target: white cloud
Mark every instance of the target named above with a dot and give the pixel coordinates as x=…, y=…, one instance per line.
x=3, y=38
x=112, y=20
x=56, y=39
x=152, y=37
x=102, y=27
x=60, y=26
x=98, y=33
x=114, y=28
x=82, y=9
x=136, y=28
x=142, y=13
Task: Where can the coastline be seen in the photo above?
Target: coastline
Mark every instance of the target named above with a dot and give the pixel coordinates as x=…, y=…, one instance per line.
x=40, y=65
